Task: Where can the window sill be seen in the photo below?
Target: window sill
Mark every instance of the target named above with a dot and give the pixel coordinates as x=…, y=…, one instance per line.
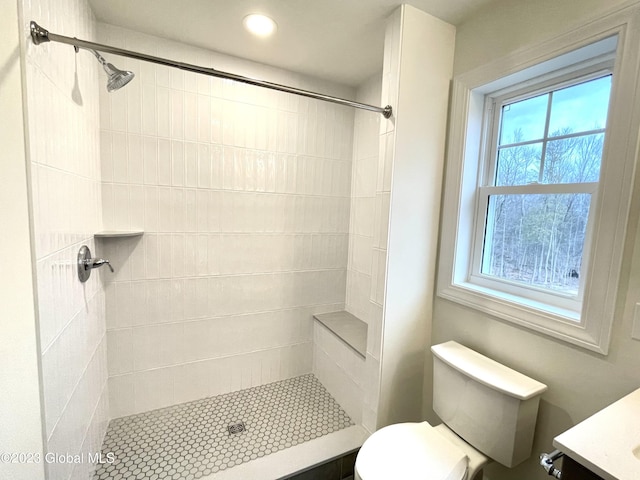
x=552, y=321
x=542, y=308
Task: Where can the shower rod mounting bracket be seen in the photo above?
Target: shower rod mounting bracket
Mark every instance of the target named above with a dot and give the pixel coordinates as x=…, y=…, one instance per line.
x=38, y=34
x=41, y=35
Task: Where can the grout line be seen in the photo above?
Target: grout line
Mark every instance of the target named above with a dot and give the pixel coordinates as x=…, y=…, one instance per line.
x=191, y=362
x=366, y=274
x=230, y=190
x=103, y=391
x=66, y=172
x=183, y=140
x=73, y=317
x=227, y=275
x=75, y=387
x=85, y=240
x=339, y=365
x=339, y=305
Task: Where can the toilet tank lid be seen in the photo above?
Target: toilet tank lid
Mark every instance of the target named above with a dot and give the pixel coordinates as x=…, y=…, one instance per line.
x=488, y=372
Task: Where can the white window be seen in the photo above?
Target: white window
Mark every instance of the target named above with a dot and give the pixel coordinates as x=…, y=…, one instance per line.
x=539, y=182
x=541, y=171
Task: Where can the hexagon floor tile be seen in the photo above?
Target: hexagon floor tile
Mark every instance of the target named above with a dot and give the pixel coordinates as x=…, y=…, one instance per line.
x=192, y=440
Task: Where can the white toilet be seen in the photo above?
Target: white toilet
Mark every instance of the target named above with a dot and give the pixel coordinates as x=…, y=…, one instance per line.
x=489, y=414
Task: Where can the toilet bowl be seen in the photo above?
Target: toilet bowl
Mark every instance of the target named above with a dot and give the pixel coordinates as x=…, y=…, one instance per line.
x=488, y=411
x=418, y=450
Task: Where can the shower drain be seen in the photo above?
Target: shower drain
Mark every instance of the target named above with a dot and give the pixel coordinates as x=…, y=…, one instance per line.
x=236, y=428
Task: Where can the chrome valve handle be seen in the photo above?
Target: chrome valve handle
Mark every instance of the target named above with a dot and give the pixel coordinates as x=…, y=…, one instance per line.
x=97, y=263
x=86, y=263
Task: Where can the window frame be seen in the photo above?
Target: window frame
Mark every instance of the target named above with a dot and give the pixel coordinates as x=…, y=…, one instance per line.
x=591, y=327
x=494, y=102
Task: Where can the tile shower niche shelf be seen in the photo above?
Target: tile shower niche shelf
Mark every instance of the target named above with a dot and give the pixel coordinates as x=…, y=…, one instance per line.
x=348, y=328
x=118, y=233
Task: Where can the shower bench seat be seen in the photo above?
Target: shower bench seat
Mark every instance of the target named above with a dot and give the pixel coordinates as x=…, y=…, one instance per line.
x=348, y=328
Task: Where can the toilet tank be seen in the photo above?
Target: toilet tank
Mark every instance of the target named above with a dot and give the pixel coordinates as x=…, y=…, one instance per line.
x=489, y=405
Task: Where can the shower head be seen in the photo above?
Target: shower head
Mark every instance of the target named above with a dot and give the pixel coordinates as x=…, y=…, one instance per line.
x=116, y=78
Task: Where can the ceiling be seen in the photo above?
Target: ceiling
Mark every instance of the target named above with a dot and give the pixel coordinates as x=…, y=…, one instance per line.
x=337, y=40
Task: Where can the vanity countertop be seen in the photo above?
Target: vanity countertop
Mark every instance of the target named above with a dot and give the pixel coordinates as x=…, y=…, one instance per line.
x=608, y=442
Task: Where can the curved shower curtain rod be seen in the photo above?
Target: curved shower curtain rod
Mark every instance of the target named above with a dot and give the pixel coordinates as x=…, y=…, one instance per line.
x=42, y=35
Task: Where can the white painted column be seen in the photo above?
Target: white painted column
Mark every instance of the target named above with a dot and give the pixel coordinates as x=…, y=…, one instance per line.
x=20, y=413
x=417, y=72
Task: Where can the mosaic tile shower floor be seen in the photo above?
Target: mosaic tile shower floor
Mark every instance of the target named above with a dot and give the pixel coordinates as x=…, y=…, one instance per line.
x=192, y=440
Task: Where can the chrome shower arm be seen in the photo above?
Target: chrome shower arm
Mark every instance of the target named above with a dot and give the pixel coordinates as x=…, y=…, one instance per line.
x=42, y=35
x=116, y=78
x=100, y=58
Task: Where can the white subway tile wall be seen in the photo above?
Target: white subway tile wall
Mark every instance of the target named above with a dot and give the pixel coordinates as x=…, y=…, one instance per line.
x=244, y=197
x=339, y=368
x=63, y=141
x=385, y=148
x=364, y=212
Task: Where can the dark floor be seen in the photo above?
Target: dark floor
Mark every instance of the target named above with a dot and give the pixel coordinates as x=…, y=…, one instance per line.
x=336, y=469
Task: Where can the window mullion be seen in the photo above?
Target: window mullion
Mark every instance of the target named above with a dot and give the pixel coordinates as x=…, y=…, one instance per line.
x=559, y=137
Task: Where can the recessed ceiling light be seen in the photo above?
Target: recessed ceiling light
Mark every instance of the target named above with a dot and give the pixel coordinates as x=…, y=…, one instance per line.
x=259, y=25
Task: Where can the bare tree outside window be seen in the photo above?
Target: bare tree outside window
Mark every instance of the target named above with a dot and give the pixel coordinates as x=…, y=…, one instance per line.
x=555, y=139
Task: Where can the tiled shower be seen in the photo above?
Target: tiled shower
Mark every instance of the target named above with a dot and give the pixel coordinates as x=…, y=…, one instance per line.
x=243, y=195
x=249, y=212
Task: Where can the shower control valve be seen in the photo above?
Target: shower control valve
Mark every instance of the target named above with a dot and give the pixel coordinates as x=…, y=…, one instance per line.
x=86, y=263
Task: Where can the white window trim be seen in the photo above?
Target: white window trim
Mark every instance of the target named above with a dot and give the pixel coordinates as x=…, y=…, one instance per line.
x=592, y=328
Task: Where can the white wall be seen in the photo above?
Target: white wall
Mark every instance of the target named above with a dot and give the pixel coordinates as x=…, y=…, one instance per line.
x=65, y=184
x=506, y=25
x=580, y=382
x=243, y=194
x=20, y=417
